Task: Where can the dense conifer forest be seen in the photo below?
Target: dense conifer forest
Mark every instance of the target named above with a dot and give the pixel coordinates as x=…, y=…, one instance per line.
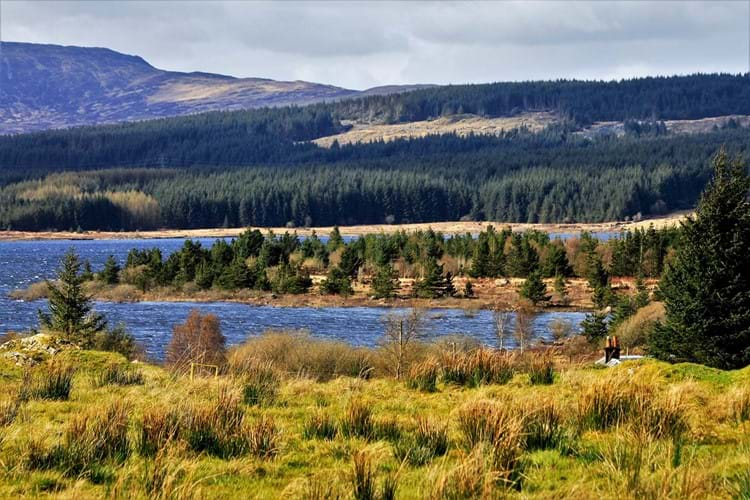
x=258, y=168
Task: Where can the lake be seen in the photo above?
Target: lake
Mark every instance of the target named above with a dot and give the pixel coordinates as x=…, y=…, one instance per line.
x=25, y=262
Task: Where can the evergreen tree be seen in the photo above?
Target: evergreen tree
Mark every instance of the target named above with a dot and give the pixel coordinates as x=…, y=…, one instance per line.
x=561, y=289
x=433, y=283
x=534, y=289
x=204, y=276
x=111, y=272
x=88, y=273
x=706, y=287
x=336, y=283
x=334, y=239
x=384, y=283
x=594, y=327
x=468, y=290
x=556, y=261
x=70, y=312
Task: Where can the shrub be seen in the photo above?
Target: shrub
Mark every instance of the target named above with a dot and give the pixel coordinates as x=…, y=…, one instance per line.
x=423, y=376
x=319, y=425
x=298, y=353
x=357, y=420
x=260, y=385
x=635, y=330
x=118, y=374
x=118, y=340
x=541, y=368
x=197, y=340
x=52, y=381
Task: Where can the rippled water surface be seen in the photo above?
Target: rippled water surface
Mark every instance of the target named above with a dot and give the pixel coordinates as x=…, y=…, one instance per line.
x=24, y=262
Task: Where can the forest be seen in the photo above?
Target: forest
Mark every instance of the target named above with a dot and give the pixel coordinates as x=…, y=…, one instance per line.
x=257, y=167
x=548, y=177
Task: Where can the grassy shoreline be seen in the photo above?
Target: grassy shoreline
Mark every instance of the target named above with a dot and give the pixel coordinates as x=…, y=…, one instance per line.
x=489, y=294
x=455, y=227
x=643, y=430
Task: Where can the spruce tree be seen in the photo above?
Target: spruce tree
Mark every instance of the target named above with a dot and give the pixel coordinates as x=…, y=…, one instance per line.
x=594, y=327
x=534, y=289
x=706, y=287
x=433, y=283
x=337, y=282
x=384, y=284
x=111, y=272
x=70, y=312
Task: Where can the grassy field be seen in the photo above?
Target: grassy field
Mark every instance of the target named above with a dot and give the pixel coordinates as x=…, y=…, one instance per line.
x=479, y=424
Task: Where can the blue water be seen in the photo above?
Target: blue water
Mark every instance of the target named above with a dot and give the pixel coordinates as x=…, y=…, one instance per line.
x=25, y=262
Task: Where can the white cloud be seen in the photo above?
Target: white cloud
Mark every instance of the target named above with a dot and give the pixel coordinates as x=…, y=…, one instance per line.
x=362, y=44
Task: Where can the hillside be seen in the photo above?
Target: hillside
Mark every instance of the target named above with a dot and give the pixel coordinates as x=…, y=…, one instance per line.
x=50, y=86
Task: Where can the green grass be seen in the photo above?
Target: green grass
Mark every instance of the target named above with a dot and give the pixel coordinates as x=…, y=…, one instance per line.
x=663, y=431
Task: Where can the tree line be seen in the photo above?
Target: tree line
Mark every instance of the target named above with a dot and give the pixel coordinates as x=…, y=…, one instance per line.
x=550, y=177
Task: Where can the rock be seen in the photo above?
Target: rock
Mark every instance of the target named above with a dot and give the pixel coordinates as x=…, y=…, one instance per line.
x=28, y=351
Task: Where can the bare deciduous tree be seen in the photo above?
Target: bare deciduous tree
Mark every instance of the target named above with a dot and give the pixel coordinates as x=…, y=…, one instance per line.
x=501, y=321
x=197, y=340
x=560, y=329
x=524, y=331
x=401, y=333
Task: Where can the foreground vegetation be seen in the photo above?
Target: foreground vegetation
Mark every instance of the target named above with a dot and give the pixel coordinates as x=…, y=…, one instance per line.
x=464, y=425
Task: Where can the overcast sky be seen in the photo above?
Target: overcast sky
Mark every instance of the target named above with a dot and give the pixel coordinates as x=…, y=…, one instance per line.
x=360, y=45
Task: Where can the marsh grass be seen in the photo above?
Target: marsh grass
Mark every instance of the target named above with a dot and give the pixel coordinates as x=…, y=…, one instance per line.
x=216, y=427
x=157, y=428
x=117, y=374
x=423, y=376
x=9, y=410
x=357, y=420
x=428, y=441
x=363, y=477
x=738, y=404
x=51, y=381
x=477, y=368
x=540, y=367
x=260, y=384
x=543, y=424
x=319, y=425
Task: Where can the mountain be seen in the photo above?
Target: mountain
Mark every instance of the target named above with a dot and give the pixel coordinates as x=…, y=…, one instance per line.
x=51, y=86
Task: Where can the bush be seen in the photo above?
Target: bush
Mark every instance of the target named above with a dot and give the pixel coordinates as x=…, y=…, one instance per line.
x=634, y=331
x=357, y=420
x=198, y=340
x=298, y=353
x=118, y=374
x=118, y=340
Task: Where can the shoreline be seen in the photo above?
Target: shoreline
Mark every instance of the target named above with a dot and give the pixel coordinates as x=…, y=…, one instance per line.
x=449, y=227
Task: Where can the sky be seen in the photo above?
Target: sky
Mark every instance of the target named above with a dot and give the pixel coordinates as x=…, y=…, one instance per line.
x=364, y=44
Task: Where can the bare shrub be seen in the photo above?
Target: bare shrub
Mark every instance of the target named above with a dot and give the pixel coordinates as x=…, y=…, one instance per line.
x=198, y=340
x=402, y=331
x=524, y=331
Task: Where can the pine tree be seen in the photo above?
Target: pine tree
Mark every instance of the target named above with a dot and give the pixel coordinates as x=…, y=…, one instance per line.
x=70, y=312
x=384, y=284
x=534, y=289
x=111, y=272
x=561, y=289
x=706, y=287
x=468, y=290
x=336, y=283
x=594, y=327
x=433, y=283
x=204, y=276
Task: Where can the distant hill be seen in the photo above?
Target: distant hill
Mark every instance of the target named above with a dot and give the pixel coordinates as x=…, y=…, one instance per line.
x=51, y=86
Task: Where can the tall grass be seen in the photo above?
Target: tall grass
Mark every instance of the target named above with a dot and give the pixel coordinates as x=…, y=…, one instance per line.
x=51, y=381
x=480, y=367
x=357, y=420
x=363, y=478
x=429, y=440
x=118, y=374
x=541, y=368
x=543, y=424
x=260, y=384
x=319, y=425
x=423, y=376
x=215, y=428
x=9, y=410
x=156, y=429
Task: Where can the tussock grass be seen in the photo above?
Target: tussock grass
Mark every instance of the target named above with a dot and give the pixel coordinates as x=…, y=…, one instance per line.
x=157, y=428
x=541, y=368
x=319, y=425
x=429, y=440
x=480, y=367
x=357, y=420
x=424, y=376
x=260, y=384
x=738, y=404
x=118, y=374
x=52, y=381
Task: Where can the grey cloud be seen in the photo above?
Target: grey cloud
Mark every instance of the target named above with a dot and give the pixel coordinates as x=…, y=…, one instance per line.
x=362, y=44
